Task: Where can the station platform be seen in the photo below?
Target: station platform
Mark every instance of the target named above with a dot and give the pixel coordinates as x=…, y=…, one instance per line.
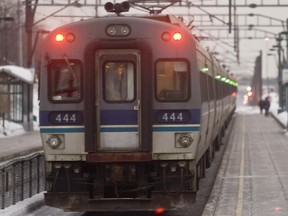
x=17, y=146
x=253, y=176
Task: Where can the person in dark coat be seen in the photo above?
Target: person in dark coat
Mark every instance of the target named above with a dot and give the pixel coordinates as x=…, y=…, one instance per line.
x=267, y=105
x=261, y=105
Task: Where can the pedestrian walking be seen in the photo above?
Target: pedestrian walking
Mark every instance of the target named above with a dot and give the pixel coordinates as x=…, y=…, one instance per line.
x=261, y=105
x=266, y=106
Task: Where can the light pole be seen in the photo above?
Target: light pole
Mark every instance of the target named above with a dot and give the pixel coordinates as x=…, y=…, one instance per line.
x=266, y=66
x=280, y=68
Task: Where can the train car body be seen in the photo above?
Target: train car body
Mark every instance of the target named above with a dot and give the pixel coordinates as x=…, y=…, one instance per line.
x=132, y=110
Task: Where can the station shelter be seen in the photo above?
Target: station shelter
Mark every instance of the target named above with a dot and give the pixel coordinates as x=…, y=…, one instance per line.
x=16, y=95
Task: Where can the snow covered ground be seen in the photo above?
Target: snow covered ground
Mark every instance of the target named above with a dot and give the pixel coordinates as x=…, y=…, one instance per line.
x=23, y=208
x=282, y=117
x=11, y=129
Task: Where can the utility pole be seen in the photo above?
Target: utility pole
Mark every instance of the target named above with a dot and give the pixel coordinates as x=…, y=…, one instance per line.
x=280, y=68
x=29, y=19
x=20, y=35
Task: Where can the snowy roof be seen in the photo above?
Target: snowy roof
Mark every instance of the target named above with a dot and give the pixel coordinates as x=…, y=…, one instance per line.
x=24, y=74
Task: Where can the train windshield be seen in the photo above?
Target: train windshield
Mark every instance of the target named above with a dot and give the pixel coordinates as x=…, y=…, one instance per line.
x=172, y=81
x=64, y=81
x=119, y=81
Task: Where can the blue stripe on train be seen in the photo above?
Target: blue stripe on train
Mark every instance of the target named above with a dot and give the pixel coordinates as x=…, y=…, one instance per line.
x=119, y=117
x=176, y=129
x=62, y=130
x=119, y=129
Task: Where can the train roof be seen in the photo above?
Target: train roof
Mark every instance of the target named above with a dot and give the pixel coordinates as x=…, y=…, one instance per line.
x=167, y=18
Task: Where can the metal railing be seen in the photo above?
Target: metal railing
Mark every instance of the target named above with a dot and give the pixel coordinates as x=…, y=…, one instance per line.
x=21, y=178
x=2, y=120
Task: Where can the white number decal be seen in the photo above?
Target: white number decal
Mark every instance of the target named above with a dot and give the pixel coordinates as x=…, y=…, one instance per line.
x=66, y=118
x=180, y=117
x=165, y=117
x=73, y=118
x=172, y=117
x=58, y=118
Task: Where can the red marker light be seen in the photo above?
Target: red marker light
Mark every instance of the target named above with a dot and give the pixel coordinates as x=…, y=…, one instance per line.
x=59, y=37
x=177, y=36
x=70, y=37
x=159, y=211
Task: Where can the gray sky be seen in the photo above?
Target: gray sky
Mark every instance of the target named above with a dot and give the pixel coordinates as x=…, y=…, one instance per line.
x=249, y=49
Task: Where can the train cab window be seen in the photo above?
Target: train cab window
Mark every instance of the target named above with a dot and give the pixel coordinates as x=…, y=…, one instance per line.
x=172, y=81
x=119, y=81
x=65, y=81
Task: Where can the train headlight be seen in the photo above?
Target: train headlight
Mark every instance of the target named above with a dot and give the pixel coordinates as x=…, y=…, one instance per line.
x=111, y=30
x=183, y=140
x=125, y=30
x=55, y=141
x=118, y=30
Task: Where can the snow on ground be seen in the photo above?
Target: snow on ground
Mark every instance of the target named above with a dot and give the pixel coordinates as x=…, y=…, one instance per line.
x=24, y=207
x=282, y=117
x=11, y=129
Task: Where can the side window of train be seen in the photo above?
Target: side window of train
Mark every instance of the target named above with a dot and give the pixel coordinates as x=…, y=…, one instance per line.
x=211, y=88
x=119, y=81
x=172, y=81
x=65, y=81
x=204, y=87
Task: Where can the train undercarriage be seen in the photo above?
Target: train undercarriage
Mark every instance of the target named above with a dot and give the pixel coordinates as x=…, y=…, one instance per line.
x=120, y=186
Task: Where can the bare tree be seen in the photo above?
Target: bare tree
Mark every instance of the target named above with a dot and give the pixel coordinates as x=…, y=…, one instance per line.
x=9, y=31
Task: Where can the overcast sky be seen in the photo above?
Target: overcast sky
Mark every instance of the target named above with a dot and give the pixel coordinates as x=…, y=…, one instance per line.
x=249, y=49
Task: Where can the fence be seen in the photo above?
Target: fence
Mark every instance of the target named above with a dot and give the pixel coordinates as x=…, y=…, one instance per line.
x=2, y=118
x=21, y=178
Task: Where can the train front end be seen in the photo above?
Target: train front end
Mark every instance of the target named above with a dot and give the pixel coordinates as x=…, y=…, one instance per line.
x=118, y=123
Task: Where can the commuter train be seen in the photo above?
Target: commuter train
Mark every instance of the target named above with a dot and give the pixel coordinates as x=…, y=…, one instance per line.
x=132, y=110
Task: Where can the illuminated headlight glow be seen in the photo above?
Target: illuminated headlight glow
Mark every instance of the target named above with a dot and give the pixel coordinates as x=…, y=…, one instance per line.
x=177, y=36
x=54, y=141
x=185, y=140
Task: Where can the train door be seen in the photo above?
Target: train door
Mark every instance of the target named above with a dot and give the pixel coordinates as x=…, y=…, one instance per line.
x=118, y=113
